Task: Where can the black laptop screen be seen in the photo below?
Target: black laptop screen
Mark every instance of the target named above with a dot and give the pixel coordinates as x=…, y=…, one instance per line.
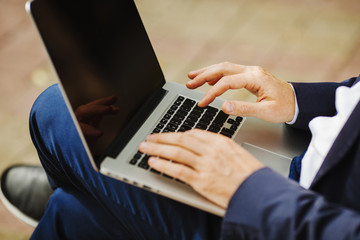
x=102, y=54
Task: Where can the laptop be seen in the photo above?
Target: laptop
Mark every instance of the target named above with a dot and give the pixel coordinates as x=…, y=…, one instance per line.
x=102, y=56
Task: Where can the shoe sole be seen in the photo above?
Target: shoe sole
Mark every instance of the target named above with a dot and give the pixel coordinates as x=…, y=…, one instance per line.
x=16, y=212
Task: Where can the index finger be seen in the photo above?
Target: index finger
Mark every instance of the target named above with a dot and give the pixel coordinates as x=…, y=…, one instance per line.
x=237, y=81
x=194, y=73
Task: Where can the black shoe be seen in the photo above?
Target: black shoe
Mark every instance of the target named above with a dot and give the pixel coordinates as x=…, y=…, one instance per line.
x=25, y=192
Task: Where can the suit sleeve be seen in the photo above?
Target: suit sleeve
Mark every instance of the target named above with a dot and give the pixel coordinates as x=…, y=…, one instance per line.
x=316, y=99
x=268, y=206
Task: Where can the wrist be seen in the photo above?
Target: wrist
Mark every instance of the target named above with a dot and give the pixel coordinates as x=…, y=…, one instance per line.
x=295, y=107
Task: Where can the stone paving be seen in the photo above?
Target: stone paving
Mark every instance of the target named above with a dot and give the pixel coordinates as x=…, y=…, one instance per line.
x=310, y=40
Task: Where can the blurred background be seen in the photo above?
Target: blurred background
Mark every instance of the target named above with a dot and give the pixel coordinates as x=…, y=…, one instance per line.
x=305, y=41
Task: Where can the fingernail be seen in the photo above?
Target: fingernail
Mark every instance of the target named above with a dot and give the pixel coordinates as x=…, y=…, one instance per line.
x=229, y=107
x=149, y=138
x=152, y=160
x=143, y=146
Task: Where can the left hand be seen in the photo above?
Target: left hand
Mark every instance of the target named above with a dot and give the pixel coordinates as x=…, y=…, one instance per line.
x=212, y=164
x=275, y=97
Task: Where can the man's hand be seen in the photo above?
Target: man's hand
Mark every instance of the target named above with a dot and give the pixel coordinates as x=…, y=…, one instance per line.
x=212, y=164
x=275, y=97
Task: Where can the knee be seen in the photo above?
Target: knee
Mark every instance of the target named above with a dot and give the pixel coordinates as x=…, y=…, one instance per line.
x=47, y=114
x=49, y=99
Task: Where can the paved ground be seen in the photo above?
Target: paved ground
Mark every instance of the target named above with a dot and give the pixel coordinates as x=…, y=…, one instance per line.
x=310, y=40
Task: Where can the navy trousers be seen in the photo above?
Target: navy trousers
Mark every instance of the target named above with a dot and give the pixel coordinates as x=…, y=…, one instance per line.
x=89, y=205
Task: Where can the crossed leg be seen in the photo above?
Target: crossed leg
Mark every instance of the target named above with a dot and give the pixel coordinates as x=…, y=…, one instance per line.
x=89, y=205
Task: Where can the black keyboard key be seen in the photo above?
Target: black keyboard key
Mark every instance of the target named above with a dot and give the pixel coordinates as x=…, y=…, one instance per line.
x=214, y=129
x=205, y=121
x=195, y=114
x=201, y=126
x=167, y=116
x=236, y=123
x=184, y=128
x=174, y=107
x=219, y=125
x=160, y=125
x=226, y=134
x=189, y=102
x=181, y=129
x=192, y=117
x=221, y=117
x=198, y=110
x=180, y=98
x=144, y=165
x=185, y=108
x=239, y=119
x=178, y=117
x=144, y=162
x=227, y=131
x=177, y=102
x=170, y=112
x=189, y=123
x=164, y=121
x=133, y=161
x=182, y=113
x=211, y=109
x=145, y=158
x=230, y=121
x=156, y=130
x=138, y=155
x=233, y=127
x=209, y=116
x=175, y=121
x=171, y=127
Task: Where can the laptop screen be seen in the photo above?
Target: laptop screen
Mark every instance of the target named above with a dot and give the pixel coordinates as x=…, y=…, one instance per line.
x=102, y=55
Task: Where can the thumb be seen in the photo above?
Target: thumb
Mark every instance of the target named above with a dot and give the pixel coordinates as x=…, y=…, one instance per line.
x=240, y=108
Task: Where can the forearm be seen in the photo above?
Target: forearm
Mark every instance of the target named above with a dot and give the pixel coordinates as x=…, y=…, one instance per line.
x=268, y=206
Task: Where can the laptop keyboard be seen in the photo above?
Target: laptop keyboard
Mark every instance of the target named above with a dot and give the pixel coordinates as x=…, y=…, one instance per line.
x=184, y=114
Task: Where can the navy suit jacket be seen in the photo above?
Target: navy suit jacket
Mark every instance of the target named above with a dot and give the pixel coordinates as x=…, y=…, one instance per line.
x=268, y=206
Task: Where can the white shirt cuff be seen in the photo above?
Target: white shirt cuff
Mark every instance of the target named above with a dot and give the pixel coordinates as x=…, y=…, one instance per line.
x=296, y=108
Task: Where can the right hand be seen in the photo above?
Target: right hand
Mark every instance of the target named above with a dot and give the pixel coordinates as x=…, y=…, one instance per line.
x=275, y=97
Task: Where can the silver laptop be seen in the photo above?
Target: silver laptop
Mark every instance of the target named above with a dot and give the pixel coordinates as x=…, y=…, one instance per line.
x=102, y=55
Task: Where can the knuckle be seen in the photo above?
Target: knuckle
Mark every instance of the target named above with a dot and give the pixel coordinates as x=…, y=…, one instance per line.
x=225, y=64
x=181, y=173
x=204, y=183
x=242, y=108
x=193, y=132
x=258, y=68
x=182, y=139
x=177, y=153
x=257, y=74
x=226, y=80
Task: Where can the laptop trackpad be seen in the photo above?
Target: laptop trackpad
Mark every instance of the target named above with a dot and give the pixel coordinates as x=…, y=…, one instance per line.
x=278, y=163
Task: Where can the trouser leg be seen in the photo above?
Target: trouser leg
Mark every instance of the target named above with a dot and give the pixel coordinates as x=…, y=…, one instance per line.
x=139, y=213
